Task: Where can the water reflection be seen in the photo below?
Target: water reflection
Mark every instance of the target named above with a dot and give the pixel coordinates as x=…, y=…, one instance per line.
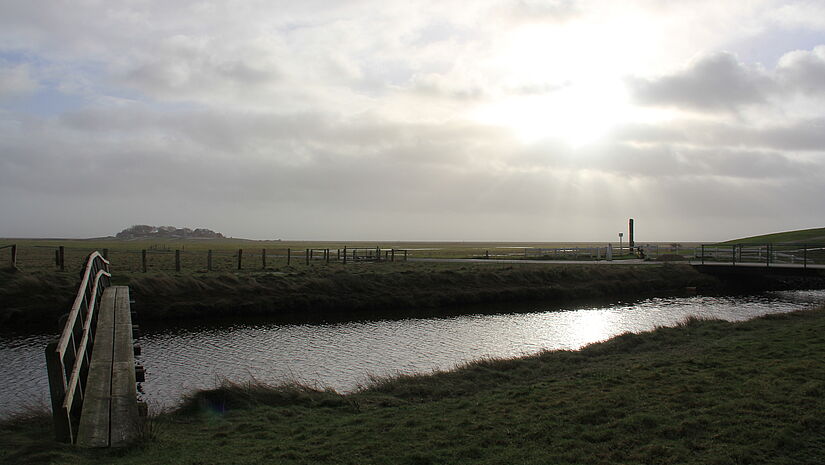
x=345, y=355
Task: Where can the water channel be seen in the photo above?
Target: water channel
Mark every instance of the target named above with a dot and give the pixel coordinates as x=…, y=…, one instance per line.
x=344, y=355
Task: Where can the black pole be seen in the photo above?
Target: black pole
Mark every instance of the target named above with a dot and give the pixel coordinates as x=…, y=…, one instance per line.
x=804, y=256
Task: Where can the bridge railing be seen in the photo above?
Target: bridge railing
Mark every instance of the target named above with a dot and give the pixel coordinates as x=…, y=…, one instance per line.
x=68, y=358
x=769, y=254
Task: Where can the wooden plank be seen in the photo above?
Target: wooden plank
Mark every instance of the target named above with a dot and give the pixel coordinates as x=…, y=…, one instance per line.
x=123, y=380
x=123, y=343
x=125, y=420
x=94, y=420
x=124, y=417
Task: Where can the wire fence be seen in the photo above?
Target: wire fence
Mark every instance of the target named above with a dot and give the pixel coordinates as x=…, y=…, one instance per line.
x=166, y=259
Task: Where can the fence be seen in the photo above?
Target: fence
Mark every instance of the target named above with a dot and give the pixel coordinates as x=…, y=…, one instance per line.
x=801, y=255
x=164, y=258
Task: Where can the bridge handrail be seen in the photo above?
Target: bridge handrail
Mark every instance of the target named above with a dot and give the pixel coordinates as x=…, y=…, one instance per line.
x=767, y=253
x=67, y=360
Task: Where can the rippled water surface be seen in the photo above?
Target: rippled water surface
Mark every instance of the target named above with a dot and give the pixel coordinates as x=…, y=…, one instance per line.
x=344, y=355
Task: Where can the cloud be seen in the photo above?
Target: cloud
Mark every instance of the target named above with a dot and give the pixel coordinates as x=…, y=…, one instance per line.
x=709, y=83
x=804, y=135
x=16, y=81
x=803, y=71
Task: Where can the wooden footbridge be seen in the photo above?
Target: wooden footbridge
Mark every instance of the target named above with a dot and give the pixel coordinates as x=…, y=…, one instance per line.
x=92, y=370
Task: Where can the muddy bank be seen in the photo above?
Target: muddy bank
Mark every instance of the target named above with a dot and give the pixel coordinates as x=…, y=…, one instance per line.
x=36, y=300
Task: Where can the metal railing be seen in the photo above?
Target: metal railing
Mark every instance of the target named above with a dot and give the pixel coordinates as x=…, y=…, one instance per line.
x=68, y=358
x=768, y=254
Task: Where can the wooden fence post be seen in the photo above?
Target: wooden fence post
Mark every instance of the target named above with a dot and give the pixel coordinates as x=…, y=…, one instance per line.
x=263, y=258
x=327, y=256
x=143, y=259
x=56, y=257
x=14, y=256
x=306, y=255
x=62, y=258
x=345, y=255
x=240, y=258
x=177, y=260
x=405, y=255
x=209, y=260
x=393, y=254
x=288, y=256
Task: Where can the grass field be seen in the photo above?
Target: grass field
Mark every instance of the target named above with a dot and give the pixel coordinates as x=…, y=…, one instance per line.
x=707, y=392
x=125, y=256
x=811, y=236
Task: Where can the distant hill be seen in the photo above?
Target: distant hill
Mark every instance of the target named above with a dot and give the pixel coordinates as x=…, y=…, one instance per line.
x=799, y=236
x=140, y=231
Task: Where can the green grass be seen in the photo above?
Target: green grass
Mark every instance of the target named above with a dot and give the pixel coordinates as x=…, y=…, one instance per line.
x=706, y=392
x=815, y=235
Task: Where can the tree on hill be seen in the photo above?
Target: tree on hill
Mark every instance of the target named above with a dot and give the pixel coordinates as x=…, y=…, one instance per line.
x=145, y=230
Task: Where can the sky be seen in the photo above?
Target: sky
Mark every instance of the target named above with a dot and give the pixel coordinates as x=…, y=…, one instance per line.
x=386, y=120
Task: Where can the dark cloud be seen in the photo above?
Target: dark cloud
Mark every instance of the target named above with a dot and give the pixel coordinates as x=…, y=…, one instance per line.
x=713, y=82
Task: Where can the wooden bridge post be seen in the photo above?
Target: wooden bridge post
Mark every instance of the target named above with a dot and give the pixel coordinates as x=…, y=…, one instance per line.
x=177, y=259
x=240, y=258
x=143, y=259
x=263, y=258
x=209, y=260
x=57, y=389
x=14, y=256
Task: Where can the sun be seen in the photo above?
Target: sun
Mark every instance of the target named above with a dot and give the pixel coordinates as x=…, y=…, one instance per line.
x=578, y=114
x=565, y=81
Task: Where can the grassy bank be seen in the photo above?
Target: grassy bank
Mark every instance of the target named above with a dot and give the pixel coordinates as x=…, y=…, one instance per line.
x=707, y=392
x=337, y=291
x=814, y=235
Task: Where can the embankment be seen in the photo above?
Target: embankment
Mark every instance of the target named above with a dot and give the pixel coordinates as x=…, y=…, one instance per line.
x=38, y=299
